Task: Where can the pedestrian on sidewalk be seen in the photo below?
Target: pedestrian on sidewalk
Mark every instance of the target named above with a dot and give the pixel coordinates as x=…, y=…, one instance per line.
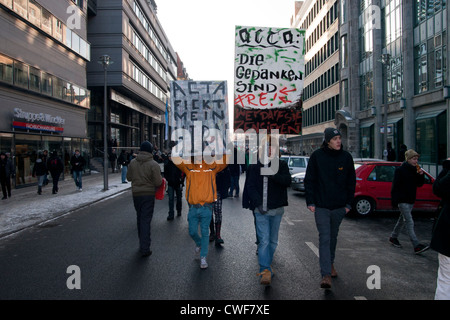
x=40, y=171
x=55, y=167
x=407, y=178
x=201, y=192
x=145, y=177
x=223, y=181
x=113, y=160
x=124, y=160
x=267, y=222
x=173, y=175
x=77, y=162
x=330, y=187
x=7, y=170
x=440, y=240
x=44, y=160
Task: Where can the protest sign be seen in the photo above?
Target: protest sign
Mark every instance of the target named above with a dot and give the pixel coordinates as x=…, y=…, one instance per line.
x=268, y=79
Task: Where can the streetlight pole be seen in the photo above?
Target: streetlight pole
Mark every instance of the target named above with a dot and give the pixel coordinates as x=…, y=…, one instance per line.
x=105, y=60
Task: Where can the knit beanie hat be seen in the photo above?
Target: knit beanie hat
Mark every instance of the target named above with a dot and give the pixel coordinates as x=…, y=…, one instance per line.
x=147, y=147
x=411, y=154
x=330, y=133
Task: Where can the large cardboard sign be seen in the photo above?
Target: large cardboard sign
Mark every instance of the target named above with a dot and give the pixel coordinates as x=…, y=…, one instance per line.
x=199, y=113
x=269, y=72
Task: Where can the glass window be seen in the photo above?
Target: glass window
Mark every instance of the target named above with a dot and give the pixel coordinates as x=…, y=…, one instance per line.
x=344, y=52
x=68, y=39
x=438, y=68
x=75, y=42
x=67, y=91
x=58, y=88
x=58, y=29
x=46, y=23
x=6, y=69
x=20, y=6
x=382, y=174
x=20, y=74
x=47, y=83
x=35, y=79
x=34, y=13
x=7, y=3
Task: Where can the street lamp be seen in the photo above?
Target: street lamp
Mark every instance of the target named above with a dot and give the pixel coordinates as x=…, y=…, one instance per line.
x=105, y=60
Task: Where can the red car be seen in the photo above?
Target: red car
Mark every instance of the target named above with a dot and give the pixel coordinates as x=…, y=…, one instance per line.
x=373, y=188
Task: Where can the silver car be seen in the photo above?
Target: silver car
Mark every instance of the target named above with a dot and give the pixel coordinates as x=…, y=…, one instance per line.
x=296, y=164
x=298, y=181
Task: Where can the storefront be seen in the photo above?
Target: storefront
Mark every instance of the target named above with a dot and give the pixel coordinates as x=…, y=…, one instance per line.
x=31, y=124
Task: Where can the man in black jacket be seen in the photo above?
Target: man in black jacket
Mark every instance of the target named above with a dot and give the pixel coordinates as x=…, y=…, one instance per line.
x=330, y=187
x=440, y=240
x=407, y=178
x=267, y=222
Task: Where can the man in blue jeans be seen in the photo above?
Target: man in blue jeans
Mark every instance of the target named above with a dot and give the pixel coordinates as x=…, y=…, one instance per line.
x=267, y=223
x=77, y=162
x=330, y=188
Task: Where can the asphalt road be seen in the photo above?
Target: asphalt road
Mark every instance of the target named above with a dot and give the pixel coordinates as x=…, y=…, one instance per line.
x=101, y=242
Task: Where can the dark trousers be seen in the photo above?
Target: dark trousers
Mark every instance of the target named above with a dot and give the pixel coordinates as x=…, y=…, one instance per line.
x=172, y=192
x=55, y=178
x=6, y=185
x=144, y=206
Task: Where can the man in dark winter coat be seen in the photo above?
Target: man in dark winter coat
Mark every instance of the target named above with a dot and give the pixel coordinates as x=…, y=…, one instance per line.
x=330, y=187
x=407, y=178
x=7, y=170
x=56, y=167
x=173, y=175
x=267, y=222
x=77, y=162
x=440, y=240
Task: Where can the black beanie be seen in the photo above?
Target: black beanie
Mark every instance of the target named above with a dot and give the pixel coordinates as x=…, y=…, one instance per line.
x=147, y=147
x=330, y=133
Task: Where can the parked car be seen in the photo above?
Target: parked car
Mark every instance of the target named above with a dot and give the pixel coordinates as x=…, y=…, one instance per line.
x=298, y=181
x=296, y=163
x=373, y=188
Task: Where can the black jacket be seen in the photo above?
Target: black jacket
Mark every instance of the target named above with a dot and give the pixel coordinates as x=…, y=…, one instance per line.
x=440, y=240
x=330, y=179
x=7, y=168
x=55, y=165
x=405, y=183
x=77, y=163
x=172, y=174
x=40, y=168
x=278, y=183
x=223, y=182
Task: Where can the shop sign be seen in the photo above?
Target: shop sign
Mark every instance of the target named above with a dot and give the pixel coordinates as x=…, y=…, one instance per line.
x=37, y=121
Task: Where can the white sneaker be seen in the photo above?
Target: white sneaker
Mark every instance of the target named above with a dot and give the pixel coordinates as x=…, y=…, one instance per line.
x=203, y=263
x=80, y=189
x=197, y=252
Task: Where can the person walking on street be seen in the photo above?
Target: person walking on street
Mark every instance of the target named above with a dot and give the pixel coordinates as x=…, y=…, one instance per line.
x=40, y=170
x=235, y=172
x=7, y=170
x=267, y=222
x=44, y=160
x=113, y=160
x=201, y=192
x=223, y=180
x=440, y=240
x=145, y=177
x=330, y=187
x=55, y=167
x=77, y=162
x=123, y=160
x=173, y=175
x=407, y=178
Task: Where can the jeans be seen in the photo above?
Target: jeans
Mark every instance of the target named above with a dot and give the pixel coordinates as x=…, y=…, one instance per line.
x=41, y=180
x=443, y=280
x=200, y=215
x=124, y=173
x=172, y=192
x=267, y=228
x=77, y=178
x=405, y=218
x=144, y=206
x=327, y=223
x=234, y=185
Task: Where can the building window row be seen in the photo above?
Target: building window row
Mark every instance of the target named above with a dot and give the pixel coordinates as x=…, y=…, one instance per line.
x=313, y=13
x=144, y=80
x=427, y=8
x=322, y=112
x=323, y=54
x=323, y=26
x=147, y=54
x=22, y=75
x=325, y=80
x=45, y=21
x=147, y=26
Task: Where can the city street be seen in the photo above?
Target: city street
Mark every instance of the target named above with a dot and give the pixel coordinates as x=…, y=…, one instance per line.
x=101, y=240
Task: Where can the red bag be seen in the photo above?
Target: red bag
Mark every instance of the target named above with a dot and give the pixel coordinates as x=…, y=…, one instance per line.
x=159, y=195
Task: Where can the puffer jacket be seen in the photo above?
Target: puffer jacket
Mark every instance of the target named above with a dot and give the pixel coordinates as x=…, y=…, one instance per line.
x=144, y=174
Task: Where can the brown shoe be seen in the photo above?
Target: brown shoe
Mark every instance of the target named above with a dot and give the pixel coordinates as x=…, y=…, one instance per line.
x=266, y=277
x=326, y=282
x=333, y=272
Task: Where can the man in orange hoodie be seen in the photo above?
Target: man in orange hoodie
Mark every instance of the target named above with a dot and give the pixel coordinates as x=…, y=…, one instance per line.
x=201, y=192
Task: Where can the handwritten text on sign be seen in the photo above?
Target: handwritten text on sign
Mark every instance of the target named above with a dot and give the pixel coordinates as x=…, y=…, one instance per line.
x=269, y=67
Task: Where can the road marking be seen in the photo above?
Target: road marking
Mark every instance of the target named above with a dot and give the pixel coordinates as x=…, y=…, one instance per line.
x=288, y=221
x=360, y=298
x=313, y=248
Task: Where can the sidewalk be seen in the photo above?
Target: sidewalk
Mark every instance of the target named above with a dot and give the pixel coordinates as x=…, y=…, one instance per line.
x=26, y=208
